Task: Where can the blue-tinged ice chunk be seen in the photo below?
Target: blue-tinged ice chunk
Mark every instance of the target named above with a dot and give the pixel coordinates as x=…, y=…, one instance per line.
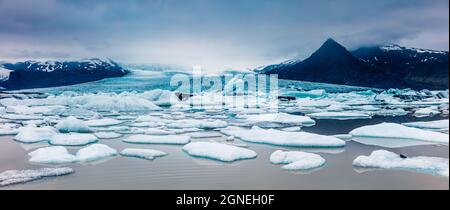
x=430, y=125
x=72, y=124
x=389, y=160
x=32, y=134
x=73, y=139
x=16, y=177
x=52, y=155
x=283, y=138
x=103, y=122
x=158, y=139
x=282, y=118
x=297, y=160
x=148, y=154
x=218, y=151
x=398, y=132
x=108, y=135
x=95, y=152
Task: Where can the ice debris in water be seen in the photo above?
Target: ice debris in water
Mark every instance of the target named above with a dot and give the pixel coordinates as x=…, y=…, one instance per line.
x=339, y=115
x=297, y=160
x=32, y=134
x=73, y=139
x=148, y=154
x=120, y=103
x=95, y=152
x=201, y=124
x=72, y=124
x=52, y=155
x=158, y=139
x=426, y=112
x=389, y=160
x=218, y=151
x=400, y=132
x=283, y=118
x=283, y=138
x=21, y=176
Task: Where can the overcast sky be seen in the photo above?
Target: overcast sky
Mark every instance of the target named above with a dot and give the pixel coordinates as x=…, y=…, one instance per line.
x=212, y=33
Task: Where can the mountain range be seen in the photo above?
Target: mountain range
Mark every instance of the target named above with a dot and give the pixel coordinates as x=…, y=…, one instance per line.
x=39, y=74
x=387, y=66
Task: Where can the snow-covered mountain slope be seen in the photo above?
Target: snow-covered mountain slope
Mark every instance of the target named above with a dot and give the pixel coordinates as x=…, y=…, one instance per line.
x=37, y=74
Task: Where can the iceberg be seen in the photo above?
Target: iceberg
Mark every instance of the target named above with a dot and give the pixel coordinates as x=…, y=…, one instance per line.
x=389, y=160
x=148, y=154
x=21, y=176
x=157, y=131
x=218, y=151
x=201, y=124
x=292, y=129
x=297, y=160
x=431, y=125
x=20, y=117
x=120, y=104
x=426, y=112
x=108, y=135
x=52, y=155
x=8, y=131
x=95, y=152
x=32, y=134
x=147, y=124
x=283, y=118
x=283, y=138
x=339, y=115
x=73, y=139
x=103, y=122
x=399, y=132
x=155, y=139
x=72, y=124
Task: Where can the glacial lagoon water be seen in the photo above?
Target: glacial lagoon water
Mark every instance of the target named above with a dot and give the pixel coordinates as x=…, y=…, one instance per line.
x=178, y=170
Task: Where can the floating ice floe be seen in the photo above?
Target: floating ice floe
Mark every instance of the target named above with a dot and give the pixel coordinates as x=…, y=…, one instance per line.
x=20, y=117
x=297, y=160
x=306, y=94
x=374, y=134
x=283, y=118
x=204, y=135
x=389, y=160
x=431, y=125
x=52, y=155
x=339, y=115
x=148, y=154
x=292, y=129
x=391, y=112
x=158, y=139
x=426, y=112
x=16, y=177
x=8, y=131
x=72, y=124
x=95, y=152
x=103, y=122
x=158, y=131
x=283, y=138
x=218, y=151
x=73, y=139
x=201, y=124
x=108, y=135
x=147, y=124
x=120, y=104
x=32, y=134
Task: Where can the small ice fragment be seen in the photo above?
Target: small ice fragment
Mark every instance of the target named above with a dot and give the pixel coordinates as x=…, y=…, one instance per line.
x=72, y=124
x=52, y=155
x=148, y=154
x=218, y=151
x=16, y=177
x=73, y=139
x=103, y=122
x=155, y=139
x=95, y=152
x=297, y=160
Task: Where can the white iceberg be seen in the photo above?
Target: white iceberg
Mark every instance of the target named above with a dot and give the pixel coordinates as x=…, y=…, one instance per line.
x=108, y=135
x=426, y=112
x=431, y=125
x=201, y=124
x=20, y=117
x=283, y=138
x=103, y=122
x=297, y=160
x=147, y=124
x=73, y=139
x=158, y=139
x=157, y=131
x=120, y=104
x=22, y=176
x=148, y=154
x=218, y=151
x=339, y=115
x=8, y=131
x=292, y=129
x=95, y=152
x=389, y=160
x=279, y=118
x=72, y=124
x=31, y=134
x=52, y=155
x=400, y=132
